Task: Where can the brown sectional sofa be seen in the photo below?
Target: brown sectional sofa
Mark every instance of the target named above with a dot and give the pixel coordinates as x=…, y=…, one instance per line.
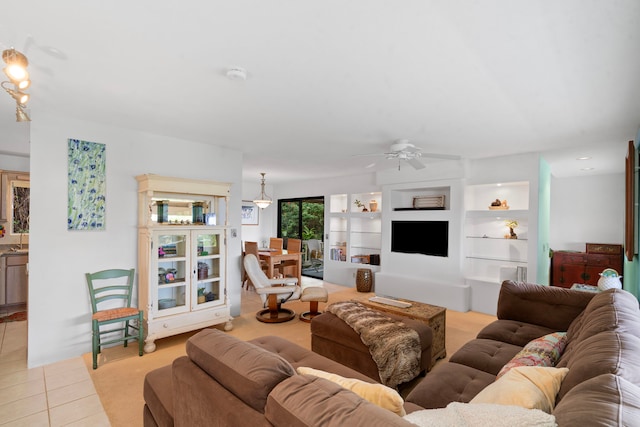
x=224, y=381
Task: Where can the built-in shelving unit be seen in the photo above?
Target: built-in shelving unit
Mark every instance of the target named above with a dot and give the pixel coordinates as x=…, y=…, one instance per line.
x=354, y=231
x=492, y=253
x=421, y=198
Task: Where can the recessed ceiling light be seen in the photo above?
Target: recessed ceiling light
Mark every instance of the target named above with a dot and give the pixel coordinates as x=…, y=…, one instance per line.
x=587, y=169
x=583, y=158
x=370, y=165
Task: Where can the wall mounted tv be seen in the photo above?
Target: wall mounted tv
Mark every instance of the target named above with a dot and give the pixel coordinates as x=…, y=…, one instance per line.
x=420, y=237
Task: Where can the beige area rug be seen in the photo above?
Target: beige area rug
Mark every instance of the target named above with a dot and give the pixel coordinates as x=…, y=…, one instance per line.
x=120, y=375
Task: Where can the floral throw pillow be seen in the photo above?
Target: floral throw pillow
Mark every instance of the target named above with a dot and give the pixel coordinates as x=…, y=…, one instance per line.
x=544, y=351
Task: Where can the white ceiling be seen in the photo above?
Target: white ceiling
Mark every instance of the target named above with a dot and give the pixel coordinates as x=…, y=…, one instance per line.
x=331, y=79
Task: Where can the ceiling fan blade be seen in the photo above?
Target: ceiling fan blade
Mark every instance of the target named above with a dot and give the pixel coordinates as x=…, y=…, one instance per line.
x=441, y=156
x=368, y=155
x=417, y=164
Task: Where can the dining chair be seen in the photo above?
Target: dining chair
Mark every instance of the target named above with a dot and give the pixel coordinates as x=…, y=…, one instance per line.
x=273, y=292
x=110, y=292
x=315, y=253
x=293, y=246
x=276, y=243
x=252, y=248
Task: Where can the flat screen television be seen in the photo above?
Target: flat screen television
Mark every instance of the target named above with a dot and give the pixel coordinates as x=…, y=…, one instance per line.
x=420, y=237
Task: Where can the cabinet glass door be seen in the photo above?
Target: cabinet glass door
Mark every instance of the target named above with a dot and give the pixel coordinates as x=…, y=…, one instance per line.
x=208, y=270
x=173, y=272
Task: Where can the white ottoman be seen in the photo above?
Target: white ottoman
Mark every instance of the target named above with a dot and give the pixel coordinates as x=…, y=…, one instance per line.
x=313, y=295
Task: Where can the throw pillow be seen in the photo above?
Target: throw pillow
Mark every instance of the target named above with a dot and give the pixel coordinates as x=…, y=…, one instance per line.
x=458, y=414
x=543, y=351
x=533, y=387
x=378, y=394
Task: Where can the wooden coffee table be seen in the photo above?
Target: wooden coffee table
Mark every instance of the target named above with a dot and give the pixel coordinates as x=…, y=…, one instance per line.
x=434, y=316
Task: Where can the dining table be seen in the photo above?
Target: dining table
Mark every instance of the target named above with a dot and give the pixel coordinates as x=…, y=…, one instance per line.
x=274, y=257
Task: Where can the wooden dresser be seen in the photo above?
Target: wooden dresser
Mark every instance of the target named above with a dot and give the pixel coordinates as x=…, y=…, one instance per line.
x=569, y=267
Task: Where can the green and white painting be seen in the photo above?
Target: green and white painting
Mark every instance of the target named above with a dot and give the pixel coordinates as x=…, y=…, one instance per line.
x=87, y=185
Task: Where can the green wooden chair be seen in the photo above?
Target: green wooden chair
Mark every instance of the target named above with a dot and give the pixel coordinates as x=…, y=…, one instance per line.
x=107, y=285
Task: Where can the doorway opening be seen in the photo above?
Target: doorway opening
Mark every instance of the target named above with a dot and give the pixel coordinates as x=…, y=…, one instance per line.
x=303, y=218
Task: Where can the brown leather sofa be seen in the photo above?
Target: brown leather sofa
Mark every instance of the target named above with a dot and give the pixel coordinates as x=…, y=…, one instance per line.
x=224, y=381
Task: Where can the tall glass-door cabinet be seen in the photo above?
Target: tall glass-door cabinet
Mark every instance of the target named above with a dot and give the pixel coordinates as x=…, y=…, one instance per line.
x=181, y=255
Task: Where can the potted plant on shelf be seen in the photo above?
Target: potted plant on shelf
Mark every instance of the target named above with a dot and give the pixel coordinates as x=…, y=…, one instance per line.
x=511, y=223
x=201, y=297
x=359, y=204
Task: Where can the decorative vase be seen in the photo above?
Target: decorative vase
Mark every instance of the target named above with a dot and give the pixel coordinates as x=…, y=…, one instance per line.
x=373, y=205
x=609, y=282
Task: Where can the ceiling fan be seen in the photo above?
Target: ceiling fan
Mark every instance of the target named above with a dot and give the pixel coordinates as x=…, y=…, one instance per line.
x=403, y=150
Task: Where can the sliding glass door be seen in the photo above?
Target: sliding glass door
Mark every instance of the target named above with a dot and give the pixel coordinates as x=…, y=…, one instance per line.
x=303, y=218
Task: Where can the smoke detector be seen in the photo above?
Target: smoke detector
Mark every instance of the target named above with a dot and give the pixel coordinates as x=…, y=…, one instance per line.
x=237, y=73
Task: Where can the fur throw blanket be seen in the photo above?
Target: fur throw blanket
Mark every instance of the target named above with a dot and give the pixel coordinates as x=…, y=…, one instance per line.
x=394, y=347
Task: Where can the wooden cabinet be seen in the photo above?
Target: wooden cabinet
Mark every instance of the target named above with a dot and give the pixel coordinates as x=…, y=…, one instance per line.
x=568, y=267
x=14, y=283
x=182, y=282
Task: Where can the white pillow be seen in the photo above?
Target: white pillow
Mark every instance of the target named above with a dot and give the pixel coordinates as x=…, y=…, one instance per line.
x=458, y=414
x=533, y=387
x=378, y=394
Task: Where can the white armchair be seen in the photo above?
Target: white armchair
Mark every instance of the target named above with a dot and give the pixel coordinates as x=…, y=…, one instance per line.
x=273, y=292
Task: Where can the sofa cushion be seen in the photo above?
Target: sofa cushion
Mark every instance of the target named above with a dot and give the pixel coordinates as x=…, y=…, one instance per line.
x=604, y=353
x=304, y=400
x=298, y=356
x=486, y=355
x=158, y=396
x=532, y=303
x=513, y=332
x=605, y=400
x=543, y=351
x=378, y=394
x=248, y=371
x=609, y=310
x=458, y=414
x=531, y=387
x=449, y=382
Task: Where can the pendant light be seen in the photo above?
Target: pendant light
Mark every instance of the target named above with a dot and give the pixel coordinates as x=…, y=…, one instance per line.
x=263, y=201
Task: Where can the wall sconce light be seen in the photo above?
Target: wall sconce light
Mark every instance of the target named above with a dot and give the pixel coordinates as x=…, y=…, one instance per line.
x=16, y=71
x=263, y=201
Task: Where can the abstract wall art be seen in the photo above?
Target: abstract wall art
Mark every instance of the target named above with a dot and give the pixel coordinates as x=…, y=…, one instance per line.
x=250, y=213
x=87, y=185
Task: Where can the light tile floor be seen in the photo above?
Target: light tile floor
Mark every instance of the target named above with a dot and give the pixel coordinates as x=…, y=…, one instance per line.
x=60, y=394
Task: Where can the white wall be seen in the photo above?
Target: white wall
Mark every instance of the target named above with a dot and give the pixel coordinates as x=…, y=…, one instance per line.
x=587, y=209
x=266, y=216
x=14, y=163
x=59, y=309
